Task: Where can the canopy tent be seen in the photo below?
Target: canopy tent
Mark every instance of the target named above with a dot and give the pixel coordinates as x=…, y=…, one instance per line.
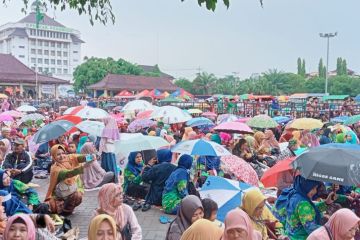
x=143, y=93
x=181, y=93
x=155, y=93
x=334, y=97
x=170, y=99
x=124, y=94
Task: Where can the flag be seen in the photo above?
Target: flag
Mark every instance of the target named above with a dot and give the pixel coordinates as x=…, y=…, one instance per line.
x=39, y=16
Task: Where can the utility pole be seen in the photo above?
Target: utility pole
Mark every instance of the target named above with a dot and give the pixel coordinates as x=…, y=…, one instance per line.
x=327, y=36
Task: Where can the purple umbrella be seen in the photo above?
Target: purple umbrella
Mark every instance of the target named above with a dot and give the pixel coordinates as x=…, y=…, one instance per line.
x=139, y=124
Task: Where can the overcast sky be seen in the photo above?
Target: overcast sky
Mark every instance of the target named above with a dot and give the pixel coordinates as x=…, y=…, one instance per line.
x=245, y=39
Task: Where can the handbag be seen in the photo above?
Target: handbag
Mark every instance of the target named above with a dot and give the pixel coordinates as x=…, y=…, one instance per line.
x=64, y=190
x=126, y=232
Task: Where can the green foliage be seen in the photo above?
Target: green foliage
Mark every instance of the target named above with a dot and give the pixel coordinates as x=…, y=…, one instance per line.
x=95, y=69
x=301, y=70
x=322, y=69
x=203, y=83
x=184, y=84
x=341, y=67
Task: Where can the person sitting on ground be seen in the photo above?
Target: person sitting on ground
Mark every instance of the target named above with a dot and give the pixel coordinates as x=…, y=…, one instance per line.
x=176, y=186
x=110, y=199
x=65, y=190
x=12, y=204
x=42, y=156
x=156, y=175
x=243, y=151
x=94, y=175
x=5, y=148
x=103, y=227
x=342, y=225
x=202, y=229
x=19, y=163
x=132, y=179
x=20, y=227
x=190, y=210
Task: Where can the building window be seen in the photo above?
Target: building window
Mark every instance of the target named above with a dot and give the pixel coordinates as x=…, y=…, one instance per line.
x=21, y=46
x=59, y=71
x=39, y=51
x=32, y=42
x=65, y=71
x=46, y=61
x=33, y=68
x=46, y=52
x=58, y=45
x=59, y=53
x=39, y=43
x=46, y=70
x=53, y=44
x=65, y=54
x=52, y=53
x=53, y=70
x=33, y=51
x=52, y=61
x=47, y=33
x=65, y=62
x=46, y=43
x=40, y=60
x=58, y=62
x=40, y=69
x=33, y=60
x=75, y=60
x=21, y=56
x=75, y=51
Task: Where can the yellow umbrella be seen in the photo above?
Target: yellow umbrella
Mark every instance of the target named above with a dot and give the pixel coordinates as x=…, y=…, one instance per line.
x=194, y=111
x=306, y=123
x=3, y=95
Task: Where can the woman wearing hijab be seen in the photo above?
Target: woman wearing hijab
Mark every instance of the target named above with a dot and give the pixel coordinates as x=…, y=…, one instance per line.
x=107, y=148
x=342, y=225
x=202, y=229
x=102, y=227
x=156, y=175
x=110, y=200
x=351, y=138
x=176, y=186
x=309, y=139
x=65, y=189
x=13, y=204
x=296, y=210
x=238, y=226
x=325, y=137
x=187, y=131
x=94, y=175
x=254, y=204
x=340, y=138
x=190, y=210
x=5, y=148
x=81, y=143
x=286, y=136
x=20, y=227
x=132, y=178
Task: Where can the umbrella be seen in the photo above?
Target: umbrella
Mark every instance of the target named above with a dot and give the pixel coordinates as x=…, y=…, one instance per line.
x=52, y=131
x=144, y=114
x=13, y=113
x=137, y=105
x=209, y=114
x=352, y=120
x=94, y=128
x=119, y=117
x=243, y=120
x=282, y=119
x=339, y=119
x=3, y=95
x=32, y=117
x=275, y=176
x=5, y=118
x=26, y=108
x=233, y=127
x=242, y=170
x=306, y=123
x=194, y=111
x=87, y=112
x=200, y=147
x=171, y=114
x=139, y=124
x=225, y=192
x=334, y=163
x=262, y=121
x=226, y=118
x=118, y=108
x=71, y=118
x=44, y=105
x=200, y=121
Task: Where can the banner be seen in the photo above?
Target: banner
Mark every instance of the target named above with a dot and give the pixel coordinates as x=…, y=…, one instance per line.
x=48, y=89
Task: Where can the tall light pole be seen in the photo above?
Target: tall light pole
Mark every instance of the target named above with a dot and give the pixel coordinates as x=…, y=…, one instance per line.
x=327, y=36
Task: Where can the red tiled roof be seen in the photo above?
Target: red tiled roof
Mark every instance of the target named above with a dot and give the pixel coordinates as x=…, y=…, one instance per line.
x=14, y=71
x=133, y=83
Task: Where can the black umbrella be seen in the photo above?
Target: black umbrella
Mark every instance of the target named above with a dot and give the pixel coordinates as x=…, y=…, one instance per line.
x=334, y=163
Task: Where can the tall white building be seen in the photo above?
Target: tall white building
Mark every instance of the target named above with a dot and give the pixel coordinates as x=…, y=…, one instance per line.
x=51, y=49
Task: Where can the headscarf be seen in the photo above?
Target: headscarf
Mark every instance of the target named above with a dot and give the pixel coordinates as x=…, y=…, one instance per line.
x=95, y=224
x=57, y=167
x=164, y=155
x=188, y=206
x=215, y=138
x=7, y=144
x=202, y=229
x=12, y=204
x=180, y=173
x=340, y=138
x=297, y=136
x=270, y=140
x=187, y=131
x=82, y=141
x=152, y=133
x=250, y=141
x=338, y=225
x=31, y=232
x=290, y=197
x=251, y=200
x=259, y=138
x=353, y=138
x=185, y=161
x=309, y=139
x=325, y=137
x=286, y=136
x=132, y=166
x=106, y=196
x=237, y=218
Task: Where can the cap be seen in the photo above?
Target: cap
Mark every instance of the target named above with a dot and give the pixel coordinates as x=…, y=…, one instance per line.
x=19, y=141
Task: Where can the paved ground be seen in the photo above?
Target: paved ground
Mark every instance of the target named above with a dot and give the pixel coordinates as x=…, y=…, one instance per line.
x=149, y=221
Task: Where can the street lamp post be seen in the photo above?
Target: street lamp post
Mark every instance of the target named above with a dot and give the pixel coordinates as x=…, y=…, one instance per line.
x=327, y=36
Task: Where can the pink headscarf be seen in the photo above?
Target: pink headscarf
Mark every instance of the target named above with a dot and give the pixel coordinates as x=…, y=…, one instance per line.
x=7, y=147
x=339, y=224
x=237, y=218
x=309, y=139
x=107, y=194
x=111, y=130
x=28, y=222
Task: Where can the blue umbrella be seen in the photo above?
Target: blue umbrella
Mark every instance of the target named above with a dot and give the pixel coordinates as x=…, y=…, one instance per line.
x=339, y=119
x=225, y=192
x=200, y=121
x=52, y=131
x=200, y=147
x=282, y=119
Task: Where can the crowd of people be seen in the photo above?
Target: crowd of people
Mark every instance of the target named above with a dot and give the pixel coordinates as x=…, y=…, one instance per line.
x=77, y=161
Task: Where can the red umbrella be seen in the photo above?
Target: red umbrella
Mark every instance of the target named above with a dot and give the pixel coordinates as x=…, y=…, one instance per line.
x=144, y=114
x=280, y=174
x=71, y=118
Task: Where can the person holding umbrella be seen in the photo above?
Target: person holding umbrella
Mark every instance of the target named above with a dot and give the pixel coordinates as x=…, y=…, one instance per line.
x=296, y=210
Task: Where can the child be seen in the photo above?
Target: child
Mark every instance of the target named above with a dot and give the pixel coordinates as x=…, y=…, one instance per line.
x=210, y=209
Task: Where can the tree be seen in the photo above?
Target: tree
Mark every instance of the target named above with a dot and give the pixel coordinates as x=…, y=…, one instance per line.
x=339, y=66
x=303, y=68
x=322, y=69
x=344, y=67
x=299, y=66
x=203, y=83
x=185, y=84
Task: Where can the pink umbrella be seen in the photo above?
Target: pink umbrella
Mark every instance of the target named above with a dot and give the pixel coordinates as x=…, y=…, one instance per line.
x=13, y=113
x=243, y=120
x=144, y=114
x=209, y=114
x=4, y=118
x=241, y=169
x=119, y=118
x=233, y=127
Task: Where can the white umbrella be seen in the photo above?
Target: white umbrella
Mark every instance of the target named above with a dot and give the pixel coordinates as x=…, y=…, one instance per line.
x=91, y=127
x=26, y=108
x=138, y=105
x=32, y=117
x=87, y=112
x=171, y=114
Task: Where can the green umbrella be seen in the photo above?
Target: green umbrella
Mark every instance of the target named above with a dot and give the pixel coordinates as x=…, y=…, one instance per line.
x=262, y=121
x=352, y=120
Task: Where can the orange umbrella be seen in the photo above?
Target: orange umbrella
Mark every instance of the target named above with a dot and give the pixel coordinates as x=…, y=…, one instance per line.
x=71, y=118
x=277, y=175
